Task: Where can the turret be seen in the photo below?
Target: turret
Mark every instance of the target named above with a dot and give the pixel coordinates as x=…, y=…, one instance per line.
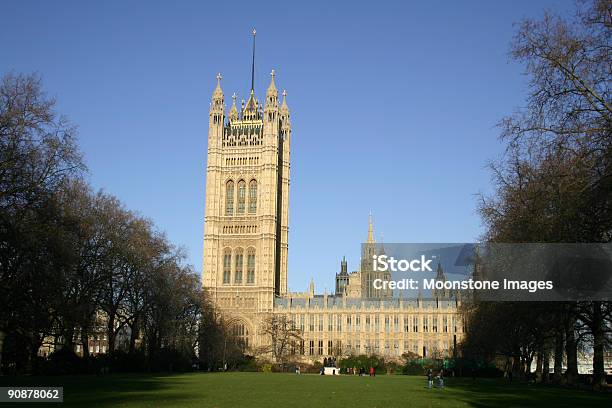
x=271, y=106
x=272, y=93
x=216, y=118
x=217, y=105
x=342, y=278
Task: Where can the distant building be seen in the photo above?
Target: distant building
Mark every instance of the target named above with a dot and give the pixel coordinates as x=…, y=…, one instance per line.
x=342, y=278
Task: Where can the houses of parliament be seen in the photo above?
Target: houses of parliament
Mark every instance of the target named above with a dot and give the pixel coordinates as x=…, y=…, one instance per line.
x=246, y=230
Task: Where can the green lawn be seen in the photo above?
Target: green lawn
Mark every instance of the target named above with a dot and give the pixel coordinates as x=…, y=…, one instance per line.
x=289, y=390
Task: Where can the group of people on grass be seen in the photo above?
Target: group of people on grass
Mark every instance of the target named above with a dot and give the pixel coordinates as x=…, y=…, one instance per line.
x=361, y=371
x=372, y=372
x=352, y=371
x=430, y=378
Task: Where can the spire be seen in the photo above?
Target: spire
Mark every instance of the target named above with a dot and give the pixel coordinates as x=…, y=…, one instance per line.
x=272, y=87
x=381, y=247
x=251, y=110
x=253, y=64
x=233, y=111
x=218, y=93
x=284, y=107
x=370, y=230
x=272, y=97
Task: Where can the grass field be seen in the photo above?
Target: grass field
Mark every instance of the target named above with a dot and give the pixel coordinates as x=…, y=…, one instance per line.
x=289, y=390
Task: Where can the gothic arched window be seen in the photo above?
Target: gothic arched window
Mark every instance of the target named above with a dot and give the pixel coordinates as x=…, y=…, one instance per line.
x=253, y=197
x=238, y=269
x=241, y=197
x=229, y=197
x=251, y=265
x=241, y=334
x=227, y=266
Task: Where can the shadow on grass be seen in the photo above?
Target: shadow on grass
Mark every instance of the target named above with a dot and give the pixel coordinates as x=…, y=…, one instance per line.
x=497, y=394
x=109, y=390
x=268, y=390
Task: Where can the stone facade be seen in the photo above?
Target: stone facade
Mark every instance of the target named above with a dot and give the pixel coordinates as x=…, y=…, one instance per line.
x=247, y=201
x=357, y=320
x=246, y=245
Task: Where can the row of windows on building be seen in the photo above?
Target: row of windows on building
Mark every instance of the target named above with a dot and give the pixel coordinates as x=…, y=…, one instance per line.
x=240, y=229
x=240, y=192
x=372, y=323
x=242, y=161
x=234, y=266
x=387, y=347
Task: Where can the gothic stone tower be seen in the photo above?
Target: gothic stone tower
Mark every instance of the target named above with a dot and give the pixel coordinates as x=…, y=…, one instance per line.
x=247, y=201
x=368, y=275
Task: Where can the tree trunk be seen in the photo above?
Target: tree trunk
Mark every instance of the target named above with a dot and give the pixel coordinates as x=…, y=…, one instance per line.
x=599, y=374
x=571, y=352
x=85, y=342
x=545, y=366
x=134, y=336
x=539, y=366
x=69, y=337
x=110, y=328
x=516, y=366
x=528, y=366
x=558, y=357
x=34, y=343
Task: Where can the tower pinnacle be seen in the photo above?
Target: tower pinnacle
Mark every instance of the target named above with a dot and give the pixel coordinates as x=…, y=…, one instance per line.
x=234, y=110
x=272, y=87
x=284, y=107
x=218, y=93
x=370, y=230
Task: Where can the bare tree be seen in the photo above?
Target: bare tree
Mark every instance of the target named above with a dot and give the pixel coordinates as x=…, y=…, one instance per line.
x=555, y=182
x=67, y=253
x=37, y=155
x=282, y=332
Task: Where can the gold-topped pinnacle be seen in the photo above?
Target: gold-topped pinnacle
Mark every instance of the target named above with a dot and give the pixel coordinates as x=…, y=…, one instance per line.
x=218, y=93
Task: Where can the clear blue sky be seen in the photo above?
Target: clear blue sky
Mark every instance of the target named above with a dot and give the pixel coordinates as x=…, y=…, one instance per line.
x=393, y=106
